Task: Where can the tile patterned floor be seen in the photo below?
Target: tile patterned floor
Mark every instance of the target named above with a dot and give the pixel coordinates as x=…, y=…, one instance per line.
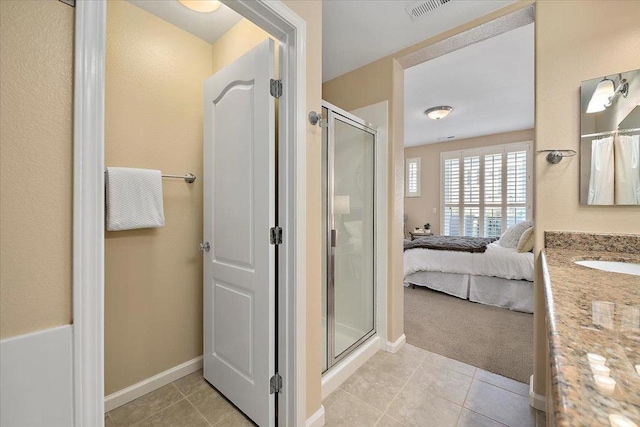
x=188, y=402
x=410, y=388
x=417, y=388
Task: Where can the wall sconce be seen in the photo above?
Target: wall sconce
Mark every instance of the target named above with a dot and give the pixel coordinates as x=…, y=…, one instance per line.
x=605, y=93
x=341, y=205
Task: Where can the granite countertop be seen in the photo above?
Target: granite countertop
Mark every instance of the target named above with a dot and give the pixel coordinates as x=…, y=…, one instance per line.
x=592, y=311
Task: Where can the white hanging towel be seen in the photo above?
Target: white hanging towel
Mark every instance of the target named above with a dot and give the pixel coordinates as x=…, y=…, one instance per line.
x=627, y=154
x=601, y=178
x=134, y=199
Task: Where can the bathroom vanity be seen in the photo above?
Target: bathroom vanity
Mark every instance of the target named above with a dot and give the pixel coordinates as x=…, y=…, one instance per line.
x=593, y=330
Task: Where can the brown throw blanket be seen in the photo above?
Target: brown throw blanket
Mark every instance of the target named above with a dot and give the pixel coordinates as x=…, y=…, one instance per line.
x=451, y=243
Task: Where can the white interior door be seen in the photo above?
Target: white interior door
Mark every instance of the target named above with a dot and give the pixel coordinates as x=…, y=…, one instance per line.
x=239, y=210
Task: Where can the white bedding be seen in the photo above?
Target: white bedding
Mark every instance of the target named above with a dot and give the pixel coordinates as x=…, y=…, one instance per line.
x=495, y=261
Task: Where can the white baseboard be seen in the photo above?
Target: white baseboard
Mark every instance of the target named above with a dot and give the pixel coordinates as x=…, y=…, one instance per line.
x=317, y=419
x=137, y=390
x=36, y=372
x=394, y=347
x=347, y=366
x=536, y=401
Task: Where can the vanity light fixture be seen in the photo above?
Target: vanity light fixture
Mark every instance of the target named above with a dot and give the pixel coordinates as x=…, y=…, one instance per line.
x=341, y=205
x=596, y=359
x=605, y=93
x=601, y=95
x=600, y=370
x=617, y=420
x=606, y=385
x=437, y=113
x=202, y=6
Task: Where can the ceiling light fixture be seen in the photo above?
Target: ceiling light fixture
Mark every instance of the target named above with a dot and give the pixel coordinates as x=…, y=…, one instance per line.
x=202, y=6
x=605, y=93
x=437, y=113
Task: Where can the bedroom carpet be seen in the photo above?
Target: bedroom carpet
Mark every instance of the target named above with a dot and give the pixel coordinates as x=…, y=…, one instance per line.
x=495, y=339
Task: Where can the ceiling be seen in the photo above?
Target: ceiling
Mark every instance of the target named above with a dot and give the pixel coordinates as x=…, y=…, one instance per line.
x=489, y=84
x=494, y=95
x=207, y=26
x=357, y=32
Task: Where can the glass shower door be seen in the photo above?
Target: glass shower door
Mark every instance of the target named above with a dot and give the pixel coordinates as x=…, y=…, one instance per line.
x=350, y=235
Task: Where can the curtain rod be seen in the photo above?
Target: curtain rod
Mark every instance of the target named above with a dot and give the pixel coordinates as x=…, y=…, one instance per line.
x=611, y=132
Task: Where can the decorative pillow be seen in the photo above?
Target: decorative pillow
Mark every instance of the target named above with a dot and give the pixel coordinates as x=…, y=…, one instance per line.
x=511, y=237
x=525, y=244
x=354, y=228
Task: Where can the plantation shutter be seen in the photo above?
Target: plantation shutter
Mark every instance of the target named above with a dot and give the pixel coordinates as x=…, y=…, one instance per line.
x=412, y=177
x=485, y=191
x=471, y=191
x=516, y=178
x=492, y=195
x=451, y=184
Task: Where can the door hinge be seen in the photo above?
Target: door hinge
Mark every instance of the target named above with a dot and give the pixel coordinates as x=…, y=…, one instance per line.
x=276, y=235
x=275, y=383
x=276, y=88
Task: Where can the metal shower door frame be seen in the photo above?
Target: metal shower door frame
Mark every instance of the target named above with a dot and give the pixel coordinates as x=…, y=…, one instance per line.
x=337, y=114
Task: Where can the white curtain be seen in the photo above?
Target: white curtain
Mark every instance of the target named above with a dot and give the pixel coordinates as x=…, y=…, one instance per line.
x=601, y=189
x=627, y=161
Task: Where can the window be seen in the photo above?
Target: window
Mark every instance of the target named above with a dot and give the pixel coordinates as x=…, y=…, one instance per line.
x=412, y=177
x=485, y=191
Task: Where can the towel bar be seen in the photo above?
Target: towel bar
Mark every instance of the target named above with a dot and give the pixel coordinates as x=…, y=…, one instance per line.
x=555, y=156
x=189, y=178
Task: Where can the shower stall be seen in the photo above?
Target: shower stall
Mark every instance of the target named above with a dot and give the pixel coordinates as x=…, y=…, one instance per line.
x=349, y=291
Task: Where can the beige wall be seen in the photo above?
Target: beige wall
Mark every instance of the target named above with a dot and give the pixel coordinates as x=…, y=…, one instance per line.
x=153, y=119
x=420, y=209
x=379, y=81
x=36, y=110
x=241, y=38
x=572, y=45
x=311, y=11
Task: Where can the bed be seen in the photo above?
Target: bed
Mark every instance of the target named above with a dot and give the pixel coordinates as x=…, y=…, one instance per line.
x=498, y=276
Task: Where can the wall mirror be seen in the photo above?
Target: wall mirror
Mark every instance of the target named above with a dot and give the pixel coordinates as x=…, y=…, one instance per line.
x=610, y=140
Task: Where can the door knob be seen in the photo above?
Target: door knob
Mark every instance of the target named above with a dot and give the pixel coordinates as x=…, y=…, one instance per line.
x=205, y=247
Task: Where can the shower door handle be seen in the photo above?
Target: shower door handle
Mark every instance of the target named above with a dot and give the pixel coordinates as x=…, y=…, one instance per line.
x=334, y=238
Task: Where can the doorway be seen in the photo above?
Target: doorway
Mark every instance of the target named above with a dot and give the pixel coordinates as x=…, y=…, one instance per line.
x=469, y=177
x=288, y=28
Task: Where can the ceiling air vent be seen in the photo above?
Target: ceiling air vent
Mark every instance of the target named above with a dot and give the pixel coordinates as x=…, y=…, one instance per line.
x=445, y=138
x=421, y=8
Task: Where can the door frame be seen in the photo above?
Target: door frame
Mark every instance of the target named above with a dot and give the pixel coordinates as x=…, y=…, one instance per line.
x=88, y=206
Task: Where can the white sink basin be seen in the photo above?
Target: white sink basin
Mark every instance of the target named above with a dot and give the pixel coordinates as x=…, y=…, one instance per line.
x=612, y=266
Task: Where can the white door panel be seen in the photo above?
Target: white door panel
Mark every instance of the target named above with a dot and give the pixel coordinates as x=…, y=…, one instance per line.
x=233, y=176
x=239, y=210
